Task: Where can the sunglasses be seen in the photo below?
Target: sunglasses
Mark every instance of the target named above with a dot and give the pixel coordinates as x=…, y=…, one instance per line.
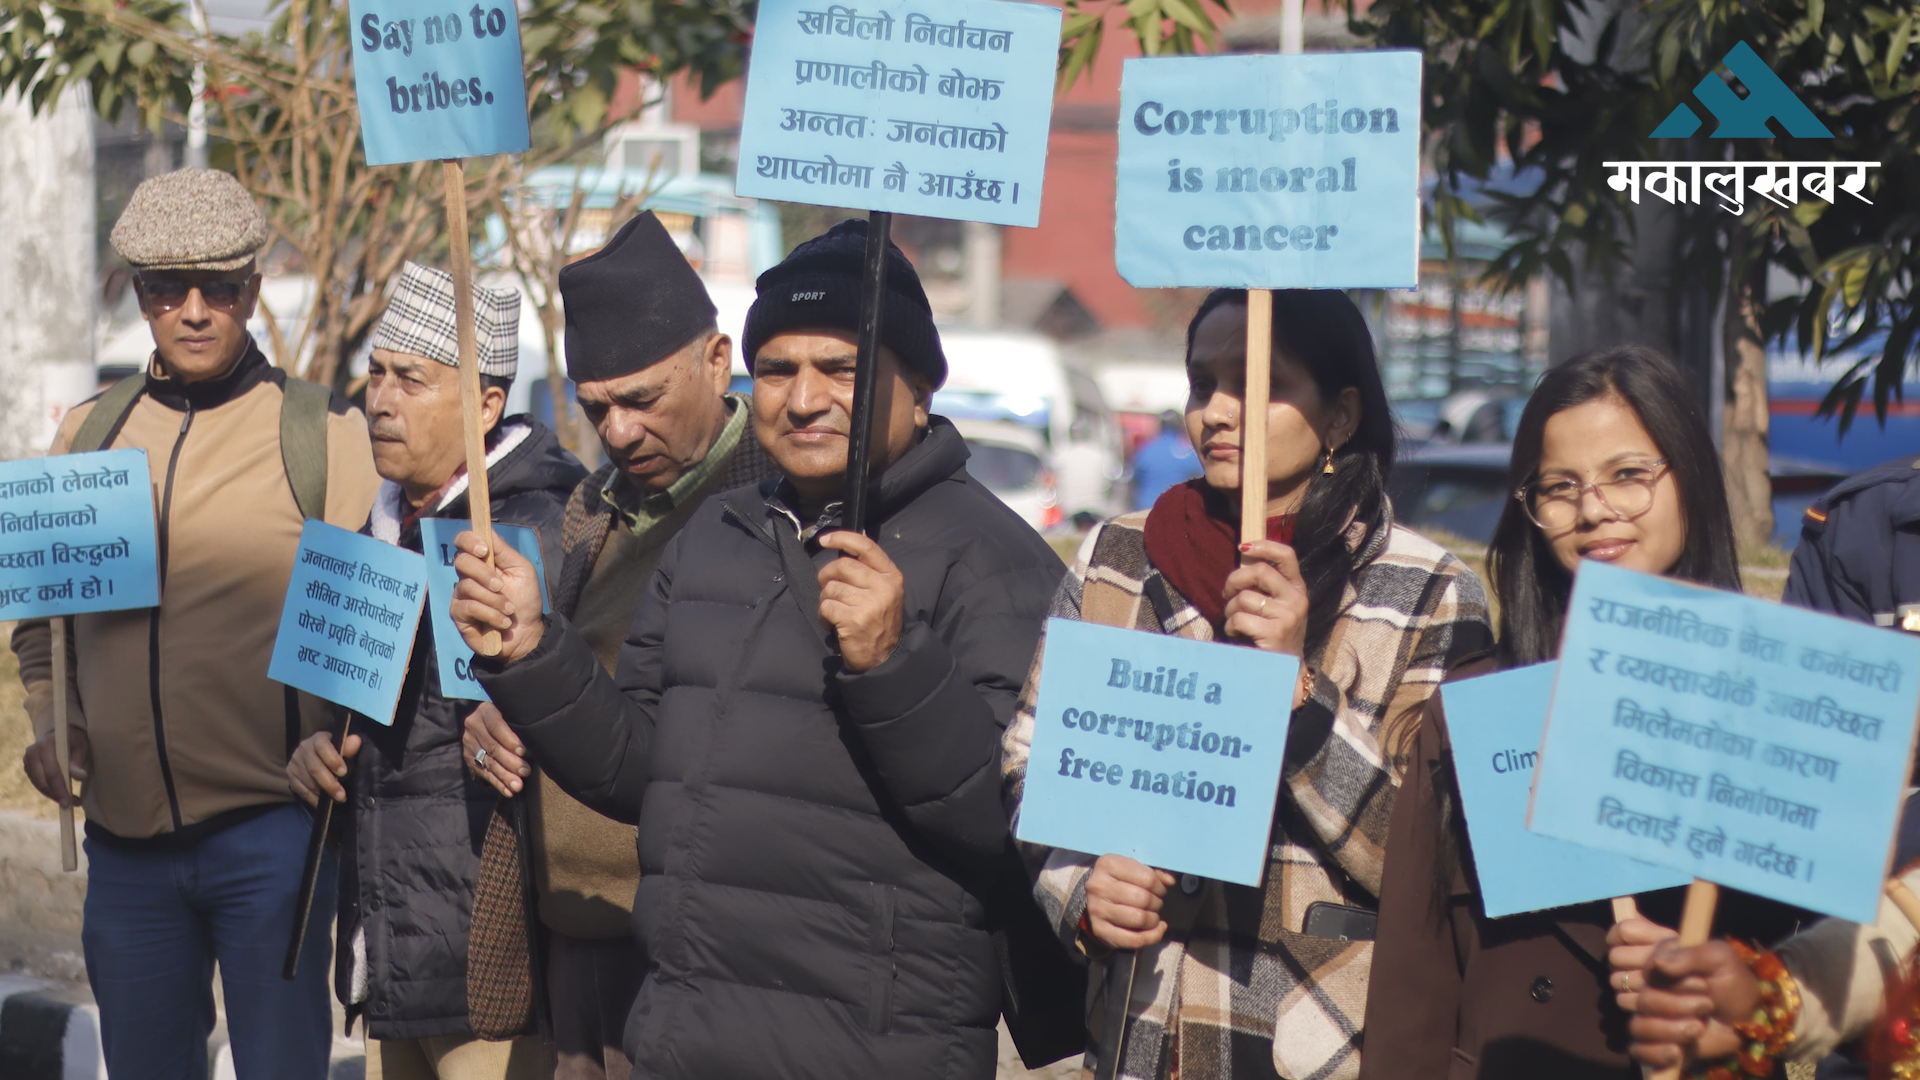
x=164, y=293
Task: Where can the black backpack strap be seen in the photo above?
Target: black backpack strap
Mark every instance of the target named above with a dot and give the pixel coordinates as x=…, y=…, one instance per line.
x=303, y=443
x=109, y=415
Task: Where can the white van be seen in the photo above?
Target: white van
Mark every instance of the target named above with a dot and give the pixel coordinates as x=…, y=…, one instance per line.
x=1021, y=378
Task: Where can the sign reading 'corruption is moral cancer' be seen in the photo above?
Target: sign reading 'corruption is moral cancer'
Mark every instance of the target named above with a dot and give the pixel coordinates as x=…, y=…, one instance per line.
x=1270, y=172
x=1759, y=746
x=438, y=82
x=77, y=535
x=1158, y=748
x=452, y=657
x=347, y=626
x=1494, y=724
x=938, y=108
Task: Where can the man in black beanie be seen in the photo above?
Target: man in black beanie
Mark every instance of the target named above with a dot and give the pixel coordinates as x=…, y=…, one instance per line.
x=650, y=370
x=805, y=722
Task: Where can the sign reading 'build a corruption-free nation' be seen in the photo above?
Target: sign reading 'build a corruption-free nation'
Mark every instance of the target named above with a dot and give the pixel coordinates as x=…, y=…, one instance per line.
x=1270, y=172
x=937, y=108
x=1762, y=747
x=77, y=535
x=346, y=630
x=438, y=82
x=1158, y=748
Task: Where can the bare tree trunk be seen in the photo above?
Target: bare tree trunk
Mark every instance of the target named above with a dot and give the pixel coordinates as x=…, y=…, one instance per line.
x=1743, y=443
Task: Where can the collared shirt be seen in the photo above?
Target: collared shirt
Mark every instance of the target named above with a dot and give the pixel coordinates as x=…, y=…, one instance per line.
x=651, y=509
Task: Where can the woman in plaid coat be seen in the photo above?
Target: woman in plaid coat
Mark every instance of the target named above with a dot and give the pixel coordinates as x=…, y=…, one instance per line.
x=1227, y=983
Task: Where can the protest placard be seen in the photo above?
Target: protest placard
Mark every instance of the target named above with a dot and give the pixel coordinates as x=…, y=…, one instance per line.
x=452, y=658
x=1495, y=745
x=1159, y=748
x=445, y=84
x=1270, y=172
x=77, y=535
x=932, y=107
x=1754, y=745
x=347, y=627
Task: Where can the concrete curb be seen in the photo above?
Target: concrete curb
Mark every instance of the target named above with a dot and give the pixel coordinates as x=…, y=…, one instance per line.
x=45, y=1037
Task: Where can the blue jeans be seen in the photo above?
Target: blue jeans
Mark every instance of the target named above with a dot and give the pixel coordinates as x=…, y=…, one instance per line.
x=158, y=919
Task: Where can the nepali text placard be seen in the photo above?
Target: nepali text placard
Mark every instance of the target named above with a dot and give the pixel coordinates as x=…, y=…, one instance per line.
x=352, y=608
x=1758, y=746
x=1158, y=748
x=938, y=108
x=1494, y=723
x=77, y=535
x=1270, y=172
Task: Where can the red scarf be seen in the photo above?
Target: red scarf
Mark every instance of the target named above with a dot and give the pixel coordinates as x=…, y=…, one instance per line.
x=1193, y=539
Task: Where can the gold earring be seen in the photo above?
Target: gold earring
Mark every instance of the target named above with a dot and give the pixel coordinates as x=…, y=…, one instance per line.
x=1328, y=468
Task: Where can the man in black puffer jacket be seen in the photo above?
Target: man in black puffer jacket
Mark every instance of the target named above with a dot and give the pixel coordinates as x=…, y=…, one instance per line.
x=412, y=842
x=807, y=742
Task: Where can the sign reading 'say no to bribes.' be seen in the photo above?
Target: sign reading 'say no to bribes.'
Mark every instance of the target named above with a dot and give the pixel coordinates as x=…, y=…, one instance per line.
x=1270, y=172
x=438, y=80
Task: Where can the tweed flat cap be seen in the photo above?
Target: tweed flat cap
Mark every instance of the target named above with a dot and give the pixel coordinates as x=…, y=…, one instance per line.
x=190, y=219
x=419, y=321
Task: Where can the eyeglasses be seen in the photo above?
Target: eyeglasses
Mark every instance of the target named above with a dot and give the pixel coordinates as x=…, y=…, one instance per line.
x=1553, y=503
x=164, y=292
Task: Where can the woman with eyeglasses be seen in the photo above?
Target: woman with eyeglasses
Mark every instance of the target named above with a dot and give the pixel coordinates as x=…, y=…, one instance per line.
x=1612, y=462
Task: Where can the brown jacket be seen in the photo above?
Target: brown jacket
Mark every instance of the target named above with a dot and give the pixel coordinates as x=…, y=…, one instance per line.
x=585, y=866
x=1457, y=995
x=185, y=727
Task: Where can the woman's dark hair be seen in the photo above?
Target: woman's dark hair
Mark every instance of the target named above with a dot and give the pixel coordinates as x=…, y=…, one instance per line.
x=1530, y=583
x=1323, y=332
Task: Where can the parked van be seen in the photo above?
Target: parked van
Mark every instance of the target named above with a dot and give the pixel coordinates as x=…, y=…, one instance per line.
x=1021, y=378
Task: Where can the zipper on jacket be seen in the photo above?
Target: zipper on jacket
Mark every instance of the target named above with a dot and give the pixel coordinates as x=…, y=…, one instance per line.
x=153, y=623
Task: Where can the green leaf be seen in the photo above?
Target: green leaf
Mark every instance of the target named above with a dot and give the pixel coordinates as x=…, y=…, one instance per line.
x=110, y=53
x=1853, y=283
x=141, y=54
x=1190, y=17
x=1897, y=48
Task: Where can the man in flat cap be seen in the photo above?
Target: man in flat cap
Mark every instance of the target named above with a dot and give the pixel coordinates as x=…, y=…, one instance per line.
x=194, y=844
x=418, y=820
x=651, y=369
x=805, y=721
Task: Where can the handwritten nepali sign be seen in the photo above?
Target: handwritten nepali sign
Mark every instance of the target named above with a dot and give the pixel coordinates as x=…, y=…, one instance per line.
x=1270, y=172
x=451, y=656
x=351, y=611
x=932, y=107
x=1494, y=723
x=443, y=85
x=77, y=535
x=1759, y=746
x=1158, y=748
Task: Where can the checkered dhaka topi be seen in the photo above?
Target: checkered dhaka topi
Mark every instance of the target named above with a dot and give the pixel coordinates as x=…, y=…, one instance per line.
x=419, y=322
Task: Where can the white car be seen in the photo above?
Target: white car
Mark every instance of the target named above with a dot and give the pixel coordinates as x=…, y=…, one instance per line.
x=1011, y=460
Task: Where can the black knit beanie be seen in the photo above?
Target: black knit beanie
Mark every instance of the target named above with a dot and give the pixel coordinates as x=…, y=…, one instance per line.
x=818, y=286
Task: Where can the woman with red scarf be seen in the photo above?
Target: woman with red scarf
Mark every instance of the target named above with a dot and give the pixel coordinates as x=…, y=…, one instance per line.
x=1378, y=616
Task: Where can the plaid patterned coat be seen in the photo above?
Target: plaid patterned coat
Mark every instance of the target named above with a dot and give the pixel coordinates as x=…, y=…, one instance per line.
x=1235, y=989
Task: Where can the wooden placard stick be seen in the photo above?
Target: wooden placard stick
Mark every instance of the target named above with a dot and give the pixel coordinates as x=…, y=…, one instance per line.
x=62, y=752
x=460, y=258
x=1624, y=908
x=1253, y=421
x=1696, y=926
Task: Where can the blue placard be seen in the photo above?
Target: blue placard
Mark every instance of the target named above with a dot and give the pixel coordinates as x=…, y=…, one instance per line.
x=1759, y=746
x=439, y=83
x=1495, y=722
x=450, y=651
x=1159, y=748
x=76, y=535
x=937, y=108
x=1270, y=172
x=347, y=626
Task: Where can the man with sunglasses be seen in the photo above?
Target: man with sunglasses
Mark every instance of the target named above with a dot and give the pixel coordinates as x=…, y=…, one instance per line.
x=194, y=843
